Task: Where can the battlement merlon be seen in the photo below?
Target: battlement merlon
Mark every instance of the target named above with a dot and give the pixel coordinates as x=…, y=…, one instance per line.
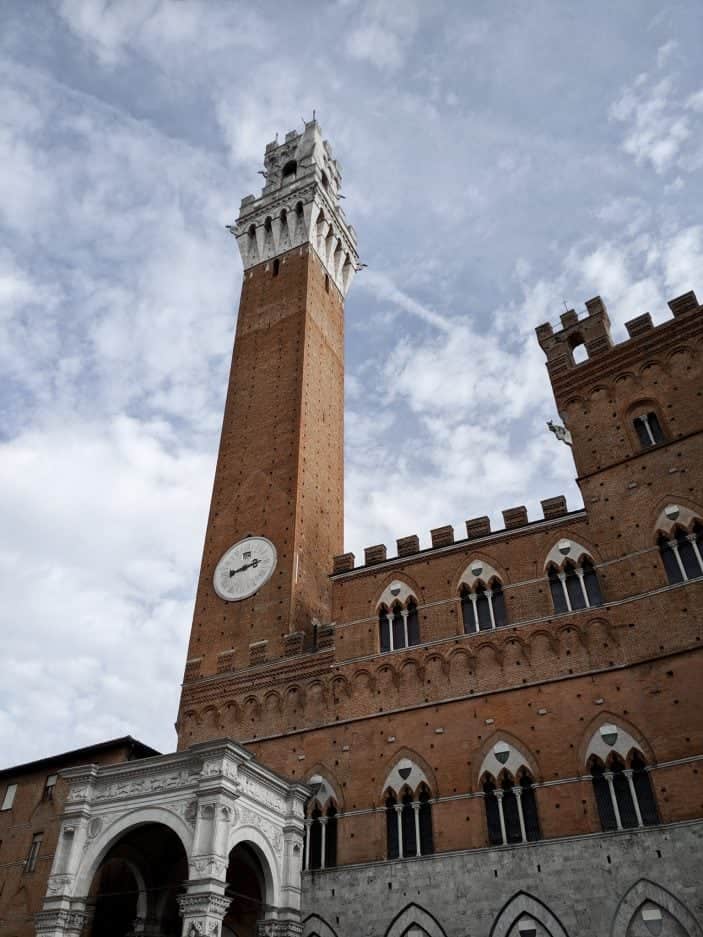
x=299, y=204
x=593, y=332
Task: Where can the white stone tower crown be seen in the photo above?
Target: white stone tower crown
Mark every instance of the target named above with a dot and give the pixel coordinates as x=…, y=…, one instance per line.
x=299, y=204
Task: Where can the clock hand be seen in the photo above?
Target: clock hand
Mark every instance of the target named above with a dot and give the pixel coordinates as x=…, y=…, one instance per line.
x=241, y=569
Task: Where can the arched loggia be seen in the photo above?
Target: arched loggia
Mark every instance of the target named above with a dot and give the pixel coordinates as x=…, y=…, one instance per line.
x=139, y=877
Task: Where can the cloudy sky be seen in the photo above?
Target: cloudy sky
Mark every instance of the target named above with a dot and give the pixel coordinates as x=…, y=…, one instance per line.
x=498, y=159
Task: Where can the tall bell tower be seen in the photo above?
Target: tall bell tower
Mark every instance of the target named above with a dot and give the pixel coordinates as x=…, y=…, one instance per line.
x=276, y=516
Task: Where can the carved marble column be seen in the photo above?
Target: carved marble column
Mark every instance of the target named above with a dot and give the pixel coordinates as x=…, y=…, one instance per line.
x=202, y=913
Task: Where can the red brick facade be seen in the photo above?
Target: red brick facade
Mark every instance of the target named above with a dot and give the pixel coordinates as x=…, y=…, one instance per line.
x=323, y=699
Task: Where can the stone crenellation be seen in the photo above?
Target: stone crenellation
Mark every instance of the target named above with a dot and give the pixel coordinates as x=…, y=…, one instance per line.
x=440, y=537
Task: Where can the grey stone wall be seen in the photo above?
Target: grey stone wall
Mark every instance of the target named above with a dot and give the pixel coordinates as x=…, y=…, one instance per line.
x=588, y=886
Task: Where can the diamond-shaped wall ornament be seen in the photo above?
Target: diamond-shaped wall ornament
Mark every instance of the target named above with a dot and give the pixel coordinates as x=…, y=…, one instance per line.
x=404, y=773
x=609, y=734
x=502, y=752
x=652, y=917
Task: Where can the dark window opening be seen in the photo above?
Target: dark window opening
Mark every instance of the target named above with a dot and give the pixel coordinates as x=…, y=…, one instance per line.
x=331, y=838
x=327, y=283
x=49, y=787
x=604, y=802
x=426, y=839
x=289, y=169
x=276, y=266
x=413, y=623
x=391, y=827
x=408, y=825
x=385, y=629
x=555, y=586
x=529, y=809
x=495, y=833
x=644, y=792
x=648, y=429
x=31, y=861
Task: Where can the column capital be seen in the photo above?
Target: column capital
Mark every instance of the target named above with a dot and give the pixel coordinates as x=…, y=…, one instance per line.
x=63, y=922
x=517, y=790
x=608, y=775
x=398, y=807
x=202, y=913
x=499, y=793
x=273, y=928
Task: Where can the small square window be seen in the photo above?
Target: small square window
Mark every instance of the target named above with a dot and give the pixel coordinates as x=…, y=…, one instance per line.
x=9, y=798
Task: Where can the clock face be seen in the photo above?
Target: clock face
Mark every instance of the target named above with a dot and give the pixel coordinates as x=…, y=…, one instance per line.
x=244, y=568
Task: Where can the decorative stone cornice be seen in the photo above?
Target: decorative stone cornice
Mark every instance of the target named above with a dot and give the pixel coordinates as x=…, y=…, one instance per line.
x=274, y=928
x=299, y=204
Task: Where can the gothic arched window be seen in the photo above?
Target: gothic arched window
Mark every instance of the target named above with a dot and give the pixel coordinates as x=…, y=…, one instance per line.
x=624, y=795
x=321, y=826
x=409, y=822
x=574, y=586
x=483, y=608
x=511, y=809
x=682, y=554
x=398, y=626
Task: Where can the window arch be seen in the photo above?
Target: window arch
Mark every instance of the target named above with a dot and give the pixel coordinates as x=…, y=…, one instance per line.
x=482, y=598
x=682, y=553
x=509, y=797
x=289, y=169
x=621, y=784
x=399, y=625
x=321, y=812
x=511, y=808
x=572, y=576
x=408, y=803
x=483, y=607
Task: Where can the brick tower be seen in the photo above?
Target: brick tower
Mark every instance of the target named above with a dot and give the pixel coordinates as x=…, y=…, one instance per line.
x=278, y=489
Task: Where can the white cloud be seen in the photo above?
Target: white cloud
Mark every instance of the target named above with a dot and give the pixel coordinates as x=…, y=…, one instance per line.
x=658, y=125
x=99, y=575
x=384, y=32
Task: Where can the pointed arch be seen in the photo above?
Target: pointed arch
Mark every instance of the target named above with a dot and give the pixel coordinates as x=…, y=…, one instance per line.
x=519, y=756
x=330, y=788
x=414, y=915
x=317, y=926
x=407, y=758
x=645, y=890
x=593, y=743
x=521, y=904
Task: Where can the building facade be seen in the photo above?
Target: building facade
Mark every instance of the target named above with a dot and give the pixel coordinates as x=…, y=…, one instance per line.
x=499, y=735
